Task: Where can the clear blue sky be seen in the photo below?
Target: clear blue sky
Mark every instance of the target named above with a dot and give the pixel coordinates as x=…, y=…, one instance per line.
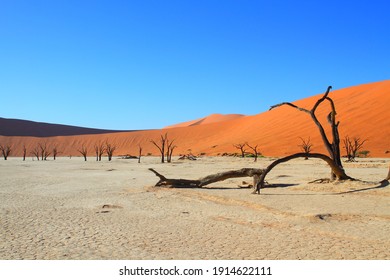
x=147, y=64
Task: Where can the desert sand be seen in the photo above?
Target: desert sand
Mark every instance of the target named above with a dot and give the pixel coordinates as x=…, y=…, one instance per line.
x=71, y=209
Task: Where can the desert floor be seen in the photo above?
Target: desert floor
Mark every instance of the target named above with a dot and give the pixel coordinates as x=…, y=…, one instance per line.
x=71, y=209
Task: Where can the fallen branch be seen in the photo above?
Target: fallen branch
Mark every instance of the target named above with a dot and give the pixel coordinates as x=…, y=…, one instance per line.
x=184, y=183
x=336, y=169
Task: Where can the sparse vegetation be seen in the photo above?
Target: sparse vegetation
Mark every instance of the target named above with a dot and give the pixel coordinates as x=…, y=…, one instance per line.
x=306, y=146
x=352, y=147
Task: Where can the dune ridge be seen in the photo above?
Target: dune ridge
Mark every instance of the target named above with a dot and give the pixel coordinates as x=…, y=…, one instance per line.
x=362, y=111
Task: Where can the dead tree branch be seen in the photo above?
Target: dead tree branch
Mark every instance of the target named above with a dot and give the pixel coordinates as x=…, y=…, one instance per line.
x=161, y=146
x=306, y=146
x=241, y=147
x=333, y=147
x=184, y=183
x=84, y=151
x=100, y=148
x=255, y=151
x=6, y=151
x=339, y=172
x=110, y=149
x=352, y=147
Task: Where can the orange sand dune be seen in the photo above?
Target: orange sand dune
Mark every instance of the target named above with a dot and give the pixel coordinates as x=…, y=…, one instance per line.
x=213, y=118
x=363, y=111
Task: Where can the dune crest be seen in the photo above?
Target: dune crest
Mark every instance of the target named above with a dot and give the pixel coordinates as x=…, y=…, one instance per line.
x=213, y=118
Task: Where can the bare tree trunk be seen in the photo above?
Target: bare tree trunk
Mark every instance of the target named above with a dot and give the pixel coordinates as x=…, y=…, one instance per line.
x=255, y=151
x=334, y=147
x=388, y=175
x=84, y=152
x=24, y=152
x=183, y=183
x=139, y=153
x=6, y=150
x=241, y=147
x=161, y=148
x=339, y=172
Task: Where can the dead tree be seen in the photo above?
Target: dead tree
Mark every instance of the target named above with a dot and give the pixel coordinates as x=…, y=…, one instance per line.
x=110, y=149
x=306, y=146
x=255, y=151
x=352, y=147
x=139, y=153
x=183, y=183
x=388, y=175
x=100, y=148
x=161, y=146
x=84, y=151
x=336, y=170
x=36, y=152
x=24, y=152
x=241, y=147
x=55, y=152
x=44, y=151
x=6, y=151
x=170, y=148
x=333, y=148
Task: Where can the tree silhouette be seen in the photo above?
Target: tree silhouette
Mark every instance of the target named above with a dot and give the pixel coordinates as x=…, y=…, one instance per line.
x=161, y=145
x=84, y=151
x=110, y=149
x=6, y=151
x=241, y=147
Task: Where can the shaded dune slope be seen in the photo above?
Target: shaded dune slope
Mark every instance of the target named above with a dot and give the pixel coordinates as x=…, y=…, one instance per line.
x=15, y=127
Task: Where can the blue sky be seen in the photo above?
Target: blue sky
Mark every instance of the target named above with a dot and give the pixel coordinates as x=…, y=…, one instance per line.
x=147, y=64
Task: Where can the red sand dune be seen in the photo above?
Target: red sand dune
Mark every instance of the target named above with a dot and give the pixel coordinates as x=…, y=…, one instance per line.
x=363, y=111
x=213, y=118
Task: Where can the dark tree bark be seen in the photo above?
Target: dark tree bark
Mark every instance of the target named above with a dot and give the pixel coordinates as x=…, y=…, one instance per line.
x=139, y=153
x=255, y=151
x=44, y=151
x=306, y=146
x=352, y=147
x=339, y=172
x=333, y=147
x=161, y=146
x=35, y=152
x=84, y=151
x=110, y=149
x=241, y=147
x=184, y=183
x=6, y=151
x=24, y=152
x=55, y=153
x=100, y=148
x=170, y=148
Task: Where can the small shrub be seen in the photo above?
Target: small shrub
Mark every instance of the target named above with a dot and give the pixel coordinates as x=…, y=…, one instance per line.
x=363, y=154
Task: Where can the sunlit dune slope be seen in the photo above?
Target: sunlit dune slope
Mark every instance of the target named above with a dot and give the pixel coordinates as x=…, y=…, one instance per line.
x=213, y=118
x=363, y=111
